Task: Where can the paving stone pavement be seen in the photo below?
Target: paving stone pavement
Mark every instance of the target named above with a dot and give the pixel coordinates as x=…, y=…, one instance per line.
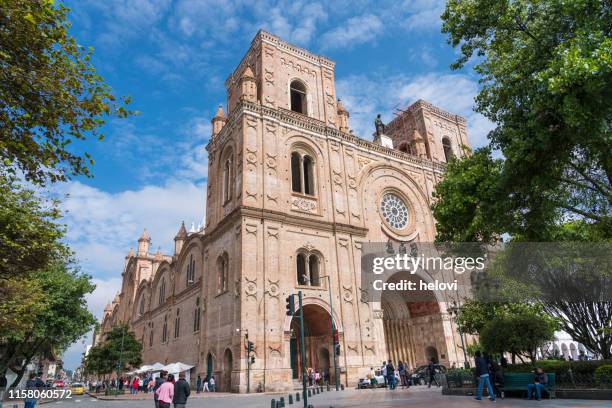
x=415, y=397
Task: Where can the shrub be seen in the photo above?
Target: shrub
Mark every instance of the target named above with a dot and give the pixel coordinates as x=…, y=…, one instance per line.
x=560, y=366
x=603, y=374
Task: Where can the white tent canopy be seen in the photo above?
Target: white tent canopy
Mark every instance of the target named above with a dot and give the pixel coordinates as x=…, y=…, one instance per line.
x=176, y=368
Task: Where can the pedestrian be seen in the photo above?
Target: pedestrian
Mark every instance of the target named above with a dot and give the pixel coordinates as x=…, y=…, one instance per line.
x=390, y=375
x=496, y=375
x=206, y=387
x=482, y=372
x=540, y=380
x=211, y=383
x=135, y=386
x=402, y=372
x=120, y=384
x=431, y=371
x=181, y=392
x=30, y=385
x=158, y=382
x=140, y=384
x=165, y=392
x=383, y=372
x=198, y=384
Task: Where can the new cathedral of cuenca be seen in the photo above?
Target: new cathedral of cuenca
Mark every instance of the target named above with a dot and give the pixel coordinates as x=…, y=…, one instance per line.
x=292, y=196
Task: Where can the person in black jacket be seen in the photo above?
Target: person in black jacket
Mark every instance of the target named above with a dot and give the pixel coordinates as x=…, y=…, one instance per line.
x=482, y=372
x=181, y=392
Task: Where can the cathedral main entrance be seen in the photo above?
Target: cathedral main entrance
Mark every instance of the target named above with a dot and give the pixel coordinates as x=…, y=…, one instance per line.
x=413, y=326
x=317, y=343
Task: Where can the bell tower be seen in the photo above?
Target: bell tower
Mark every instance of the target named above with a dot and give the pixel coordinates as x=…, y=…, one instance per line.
x=285, y=77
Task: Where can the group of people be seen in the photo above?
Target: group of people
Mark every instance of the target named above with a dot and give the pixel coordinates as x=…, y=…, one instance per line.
x=208, y=385
x=490, y=374
x=316, y=378
x=168, y=391
x=392, y=375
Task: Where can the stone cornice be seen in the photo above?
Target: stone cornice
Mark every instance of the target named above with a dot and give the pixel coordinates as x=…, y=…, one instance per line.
x=314, y=125
x=296, y=220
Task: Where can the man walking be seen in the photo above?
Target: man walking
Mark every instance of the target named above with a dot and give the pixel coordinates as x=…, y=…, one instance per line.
x=391, y=375
x=181, y=392
x=198, y=384
x=431, y=371
x=482, y=371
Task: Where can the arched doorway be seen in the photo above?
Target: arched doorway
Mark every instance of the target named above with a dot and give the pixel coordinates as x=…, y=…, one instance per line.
x=317, y=341
x=227, y=371
x=432, y=354
x=412, y=324
x=209, y=365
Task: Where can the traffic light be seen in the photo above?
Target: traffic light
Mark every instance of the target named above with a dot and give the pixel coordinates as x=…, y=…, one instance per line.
x=290, y=305
x=337, y=349
x=250, y=346
x=252, y=360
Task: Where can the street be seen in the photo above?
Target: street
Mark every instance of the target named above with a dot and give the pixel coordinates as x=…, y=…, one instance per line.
x=417, y=397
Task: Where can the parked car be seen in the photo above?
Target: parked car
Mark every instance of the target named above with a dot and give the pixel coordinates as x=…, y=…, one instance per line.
x=58, y=384
x=420, y=376
x=379, y=381
x=77, y=388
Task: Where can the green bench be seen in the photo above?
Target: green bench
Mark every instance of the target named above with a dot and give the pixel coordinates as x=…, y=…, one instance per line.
x=519, y=382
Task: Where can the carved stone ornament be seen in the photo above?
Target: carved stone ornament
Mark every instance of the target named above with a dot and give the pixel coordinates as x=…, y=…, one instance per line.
x=305, y=205
x=273, y=289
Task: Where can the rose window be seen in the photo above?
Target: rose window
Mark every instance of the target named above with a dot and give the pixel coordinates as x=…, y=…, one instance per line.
x=394, y=211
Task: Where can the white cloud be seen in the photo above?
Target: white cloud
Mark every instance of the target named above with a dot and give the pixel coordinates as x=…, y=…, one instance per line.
x=105, y=291
x=354, y=31
x=102, y=226
x=364, y=98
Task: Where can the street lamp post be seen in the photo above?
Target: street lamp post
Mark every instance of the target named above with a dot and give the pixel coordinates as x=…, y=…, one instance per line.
x=333, y=331
x=454, y=311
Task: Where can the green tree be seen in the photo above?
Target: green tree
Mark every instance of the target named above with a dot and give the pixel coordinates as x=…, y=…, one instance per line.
x=62, y=320
x=546, y=76
x=119, y=351
x=519, y=329
x=50, y=93
x=30, y=233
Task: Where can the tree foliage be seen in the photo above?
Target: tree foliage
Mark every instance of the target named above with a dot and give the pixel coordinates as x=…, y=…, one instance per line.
x=50, y=93
x=517, y=328
x=30, y=233
x=61, y=317
x=119, y=351
x=546, y=76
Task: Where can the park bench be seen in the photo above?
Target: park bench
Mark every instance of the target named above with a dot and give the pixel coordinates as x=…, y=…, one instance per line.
x=519, y=382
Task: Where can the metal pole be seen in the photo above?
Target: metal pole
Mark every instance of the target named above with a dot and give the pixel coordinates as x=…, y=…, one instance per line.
x=248, y=357
x=466, y=363
x=302, y=349
x=123, y=329
x=333, y=329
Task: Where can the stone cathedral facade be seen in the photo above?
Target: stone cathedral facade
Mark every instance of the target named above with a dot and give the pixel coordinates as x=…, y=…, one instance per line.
x=292, y=195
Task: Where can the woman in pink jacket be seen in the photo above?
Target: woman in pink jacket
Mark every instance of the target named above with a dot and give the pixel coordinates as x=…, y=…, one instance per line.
x=165, y=392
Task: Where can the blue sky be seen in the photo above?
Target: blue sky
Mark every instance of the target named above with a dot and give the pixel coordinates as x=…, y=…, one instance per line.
x=172, y=58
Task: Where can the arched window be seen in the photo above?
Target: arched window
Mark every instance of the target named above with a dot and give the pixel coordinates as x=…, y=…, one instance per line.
x=141, y=309
x=296, y=174
x=196, y=315
x=313, y=270
x=298, y=103
x=227, y=180
x=302, y=173
x=448, y=151
x=302, y=278
x=177, y=324
x=162, y=291
x=223, y=273
x=190, y=270
x=151, y=336
x=308, y=269
x=165, y=329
